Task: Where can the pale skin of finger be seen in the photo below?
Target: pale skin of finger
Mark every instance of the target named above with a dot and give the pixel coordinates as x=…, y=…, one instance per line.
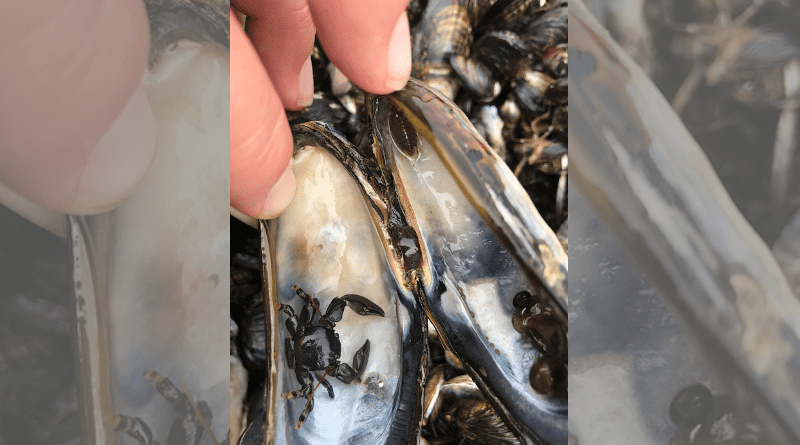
x=283, y=36
x=120, y=159
x=69, y=69
x=356, y=36
x=261, y=141
x=282, y=33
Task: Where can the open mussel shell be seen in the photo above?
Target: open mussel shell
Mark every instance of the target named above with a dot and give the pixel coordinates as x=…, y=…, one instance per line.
x=430, y=222
x=440, y=145
x=481, y=242
x=326, y=244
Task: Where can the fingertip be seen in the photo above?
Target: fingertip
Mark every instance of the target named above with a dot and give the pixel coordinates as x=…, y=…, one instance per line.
x=399, y=55
x=247, y=219
x=278, y=199
x=280, y=196
x=282, y=33
x=51, y=124
x=120, y=159
x=262, y=183
x=371, y=46
x=305, y=85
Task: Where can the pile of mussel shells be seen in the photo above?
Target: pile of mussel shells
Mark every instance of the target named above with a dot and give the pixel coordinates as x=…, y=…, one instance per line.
x=736, y=94
x=504, y=64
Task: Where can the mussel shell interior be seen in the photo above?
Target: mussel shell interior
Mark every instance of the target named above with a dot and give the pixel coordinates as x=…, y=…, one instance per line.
x=489, y=187
x=474, y=276
x=416, y=226
x=327, y=245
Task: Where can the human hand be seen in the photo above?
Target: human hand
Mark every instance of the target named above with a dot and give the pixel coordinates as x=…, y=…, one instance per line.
x=370, y=44
x=76, y=130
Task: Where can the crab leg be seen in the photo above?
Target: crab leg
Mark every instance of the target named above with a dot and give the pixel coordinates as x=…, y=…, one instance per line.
x=310, y=400
x=307, y=314
x=359, y=304
x=326, y=384
x=135, y=428
x=306, y=412
x=291, y=323
x=306, y=379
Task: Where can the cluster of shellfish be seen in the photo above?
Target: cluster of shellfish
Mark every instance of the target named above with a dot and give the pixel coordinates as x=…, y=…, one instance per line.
x=505, y=64
x=493, y=367
x=702, y=417
x=737, y=96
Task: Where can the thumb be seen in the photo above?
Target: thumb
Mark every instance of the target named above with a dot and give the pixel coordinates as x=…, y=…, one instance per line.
x=262, y=184
x=73, y=102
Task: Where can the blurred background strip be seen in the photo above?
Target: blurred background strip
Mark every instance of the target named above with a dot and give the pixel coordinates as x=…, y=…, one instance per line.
x=712, y=230
x=115, y=333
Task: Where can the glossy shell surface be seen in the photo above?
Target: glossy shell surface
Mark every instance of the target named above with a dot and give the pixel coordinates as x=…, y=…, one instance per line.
x=430, y=221
x=327, y=245
x=480, y=232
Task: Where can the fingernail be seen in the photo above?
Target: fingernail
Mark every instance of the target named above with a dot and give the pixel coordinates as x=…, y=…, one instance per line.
x=120, y=159
x=281, y=195
x=247, y=219
x=305, y=86
x=399, y=67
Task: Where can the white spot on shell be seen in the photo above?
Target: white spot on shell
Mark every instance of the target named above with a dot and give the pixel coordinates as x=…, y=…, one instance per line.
x=333, y=232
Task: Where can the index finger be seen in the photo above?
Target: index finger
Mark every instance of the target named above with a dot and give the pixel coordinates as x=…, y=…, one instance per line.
x=370, y=45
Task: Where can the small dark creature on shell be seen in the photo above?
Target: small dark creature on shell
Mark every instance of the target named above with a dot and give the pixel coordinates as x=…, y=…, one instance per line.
x=191, y=428
x=313, y=345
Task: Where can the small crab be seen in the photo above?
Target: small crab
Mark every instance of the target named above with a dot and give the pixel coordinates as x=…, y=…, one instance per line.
x=314, y=346
x=189, y=429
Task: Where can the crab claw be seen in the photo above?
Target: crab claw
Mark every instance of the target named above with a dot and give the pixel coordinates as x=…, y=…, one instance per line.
x=361, y=305
x=360, y=359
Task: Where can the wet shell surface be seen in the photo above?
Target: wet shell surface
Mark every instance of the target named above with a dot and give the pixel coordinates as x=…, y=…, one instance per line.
x=430, y=223
x=327, y=245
